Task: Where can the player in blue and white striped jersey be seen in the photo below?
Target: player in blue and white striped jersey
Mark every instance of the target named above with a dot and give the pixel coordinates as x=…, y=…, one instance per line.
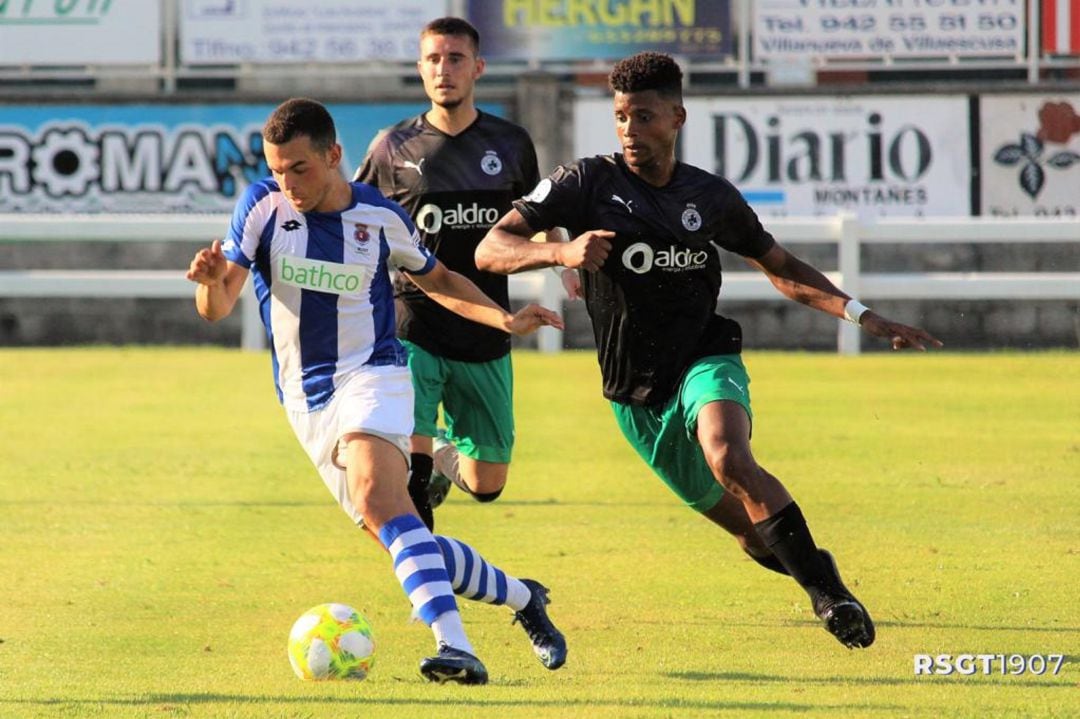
x=321, y=249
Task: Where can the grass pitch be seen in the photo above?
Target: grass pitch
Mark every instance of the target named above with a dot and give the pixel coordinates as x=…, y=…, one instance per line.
x=160, y=530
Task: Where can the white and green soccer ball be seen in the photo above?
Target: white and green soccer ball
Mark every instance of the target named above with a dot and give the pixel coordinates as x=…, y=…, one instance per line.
x=331, y=641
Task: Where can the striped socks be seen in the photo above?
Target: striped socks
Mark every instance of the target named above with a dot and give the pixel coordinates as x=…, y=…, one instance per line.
x=421, y=570
x=472, y=577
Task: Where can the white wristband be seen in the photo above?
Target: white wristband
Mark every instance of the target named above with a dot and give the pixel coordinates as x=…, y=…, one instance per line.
x=854, y=310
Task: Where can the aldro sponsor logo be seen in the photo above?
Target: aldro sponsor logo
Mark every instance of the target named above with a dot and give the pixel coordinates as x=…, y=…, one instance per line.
x=641, y=258
x=431, y=218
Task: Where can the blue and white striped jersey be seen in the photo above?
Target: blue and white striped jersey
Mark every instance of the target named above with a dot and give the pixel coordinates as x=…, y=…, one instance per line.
x=323, y=284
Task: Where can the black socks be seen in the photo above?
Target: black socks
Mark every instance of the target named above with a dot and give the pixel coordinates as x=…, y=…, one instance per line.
x=422, y=467
x=419, y=477
x=769, y=561
x=787, y=535
x=485, y=497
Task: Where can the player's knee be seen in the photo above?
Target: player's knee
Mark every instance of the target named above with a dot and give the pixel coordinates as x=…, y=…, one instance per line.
x=485, y=480
x=733, y=466
x=363, y=493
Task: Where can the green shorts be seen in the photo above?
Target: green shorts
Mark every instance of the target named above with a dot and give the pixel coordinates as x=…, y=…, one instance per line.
x=477, y=401
x=666, y=436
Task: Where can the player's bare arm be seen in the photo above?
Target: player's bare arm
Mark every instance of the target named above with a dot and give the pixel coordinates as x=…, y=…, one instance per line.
x=803, y=283
x=458, y=294
x=219, y=280
x=508, y=248
x=570, y=279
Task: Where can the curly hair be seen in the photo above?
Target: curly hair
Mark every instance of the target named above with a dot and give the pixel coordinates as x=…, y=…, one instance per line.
x=647, y=71
x=301, y=116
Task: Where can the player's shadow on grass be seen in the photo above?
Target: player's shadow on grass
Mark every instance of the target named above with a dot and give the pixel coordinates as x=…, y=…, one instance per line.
x=901, y=624
x=995, y=679
x=271, y=503
x=473, y=699
x=168, y=504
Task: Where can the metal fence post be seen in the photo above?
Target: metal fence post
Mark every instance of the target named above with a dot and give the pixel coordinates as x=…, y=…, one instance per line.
x=548, y=339
x=252, y=335
x=849, y=336
x=743, y=52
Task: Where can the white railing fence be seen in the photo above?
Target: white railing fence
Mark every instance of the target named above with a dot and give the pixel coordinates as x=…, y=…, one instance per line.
x=848, y=233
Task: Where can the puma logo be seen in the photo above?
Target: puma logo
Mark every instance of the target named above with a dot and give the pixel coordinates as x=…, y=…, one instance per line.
x=625, y=203
x=418, y=166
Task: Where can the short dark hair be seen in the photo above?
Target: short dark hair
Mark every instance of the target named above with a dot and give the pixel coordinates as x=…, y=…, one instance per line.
x=301, y=116
x=647, y=71
x=455, y=26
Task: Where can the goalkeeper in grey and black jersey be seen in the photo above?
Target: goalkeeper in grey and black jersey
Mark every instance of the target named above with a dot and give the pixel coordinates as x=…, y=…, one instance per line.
x=648, y=230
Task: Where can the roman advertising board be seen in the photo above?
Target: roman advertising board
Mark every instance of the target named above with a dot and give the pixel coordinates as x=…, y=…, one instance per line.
x=153, y=158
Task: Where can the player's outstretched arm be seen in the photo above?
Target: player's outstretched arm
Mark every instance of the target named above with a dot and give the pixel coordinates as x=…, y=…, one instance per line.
x=901, y=336
x=458, y=294
x=803, y=283
x=508, y=248
x=219, y=280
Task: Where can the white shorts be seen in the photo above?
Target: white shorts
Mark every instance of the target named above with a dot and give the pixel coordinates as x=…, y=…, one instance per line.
x=376, y=401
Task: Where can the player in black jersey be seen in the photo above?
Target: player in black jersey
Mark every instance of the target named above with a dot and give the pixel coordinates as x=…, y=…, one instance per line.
x=648, y=230
x=456, y=170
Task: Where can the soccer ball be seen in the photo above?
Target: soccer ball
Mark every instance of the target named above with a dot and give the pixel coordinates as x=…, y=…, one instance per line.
x=331, y=641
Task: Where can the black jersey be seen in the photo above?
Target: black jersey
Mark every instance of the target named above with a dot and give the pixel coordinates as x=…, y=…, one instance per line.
x=653, y=303
x=455, y=187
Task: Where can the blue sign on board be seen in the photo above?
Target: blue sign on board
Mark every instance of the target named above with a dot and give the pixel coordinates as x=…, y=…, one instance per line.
x=153, y=158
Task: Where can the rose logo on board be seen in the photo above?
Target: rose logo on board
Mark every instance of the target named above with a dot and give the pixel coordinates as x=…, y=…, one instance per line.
x=1058, y=121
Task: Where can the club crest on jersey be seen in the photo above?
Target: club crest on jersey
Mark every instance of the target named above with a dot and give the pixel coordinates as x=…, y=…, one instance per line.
x=490, y=163
x=362, y=236
x=691, y=218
